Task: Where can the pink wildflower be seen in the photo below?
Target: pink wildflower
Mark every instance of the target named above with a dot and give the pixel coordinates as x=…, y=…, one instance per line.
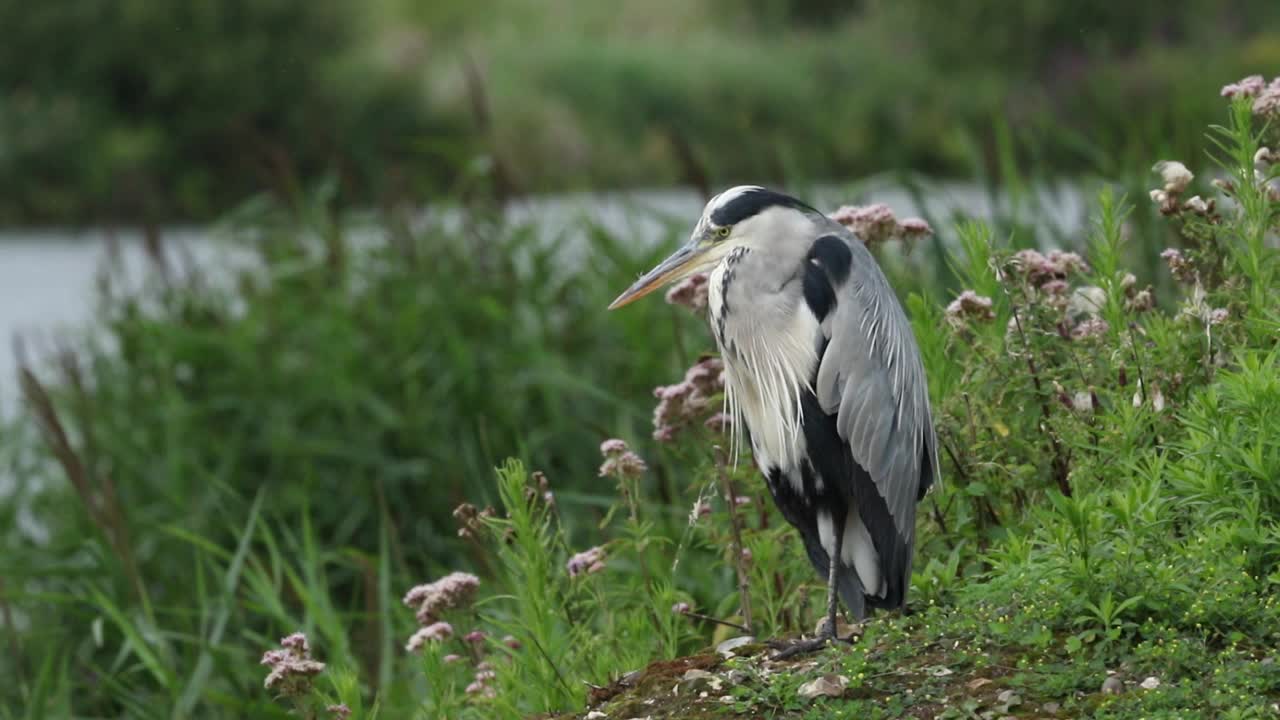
x=718, y=423
x=587, y=561
x=1179, y=266
x=481, y=688
x=451, y=591
x=912, y=228
x=874, y=224
x=690, y=292
x=747, y=555
x=681, y=608
x=1217, y=316
x=1142, y=301
x=451, y=658
x=1041, y=268
x=292, y=667
x=1092, y=327
x=620, y=462
x=338, y=712
x=476, y=637
x=1055, y=288
x=1267, y=104
x=969, y=305
x=1249, y=87
x=687, y=401
x=701, y=509
x=511, y=642
x=613, y=446
x=435, y=632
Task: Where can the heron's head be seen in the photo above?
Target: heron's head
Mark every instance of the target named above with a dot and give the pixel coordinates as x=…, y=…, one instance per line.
x=745, y=215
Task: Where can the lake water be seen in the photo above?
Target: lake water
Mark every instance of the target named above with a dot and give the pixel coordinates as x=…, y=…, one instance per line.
x=48, y=277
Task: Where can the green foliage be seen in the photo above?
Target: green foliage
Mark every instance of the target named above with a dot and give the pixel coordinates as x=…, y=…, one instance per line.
x=148, y=110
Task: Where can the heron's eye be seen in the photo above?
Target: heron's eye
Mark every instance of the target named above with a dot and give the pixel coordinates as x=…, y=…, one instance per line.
x=723, y=232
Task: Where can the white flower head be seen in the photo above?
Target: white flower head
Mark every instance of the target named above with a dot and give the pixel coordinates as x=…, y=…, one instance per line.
x=1175, y=175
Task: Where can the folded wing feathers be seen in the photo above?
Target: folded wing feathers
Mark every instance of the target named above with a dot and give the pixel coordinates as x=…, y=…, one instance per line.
x=871, y=376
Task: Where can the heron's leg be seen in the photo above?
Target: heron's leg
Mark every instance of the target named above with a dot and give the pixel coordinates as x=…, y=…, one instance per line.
x=833, y=581
x=828, y=632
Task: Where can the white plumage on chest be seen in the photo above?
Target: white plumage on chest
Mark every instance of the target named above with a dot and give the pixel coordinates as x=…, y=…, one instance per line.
x=764, y=379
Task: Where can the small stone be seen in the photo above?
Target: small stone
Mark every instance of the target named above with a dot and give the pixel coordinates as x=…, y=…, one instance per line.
x=695, y=680
x=940, y=671
x=596, y=715
x=830, y=685
x=1268, y=660
x=977, y=683
x=1008, y=699
x=1150, y=683
x=1112, y=686
x=1051, y=707
x=727, y=647
x=736, y=677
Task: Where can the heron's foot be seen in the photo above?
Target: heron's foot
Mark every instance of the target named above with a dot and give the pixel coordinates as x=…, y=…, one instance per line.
x=795, y=648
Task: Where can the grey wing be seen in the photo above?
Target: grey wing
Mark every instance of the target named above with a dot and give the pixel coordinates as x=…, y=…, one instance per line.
x=871, y=378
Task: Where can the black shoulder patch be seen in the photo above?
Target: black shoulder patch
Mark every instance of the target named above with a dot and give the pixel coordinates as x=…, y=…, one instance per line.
x=751, y=203
x=818, y=293
x=834, y=255
x=826, y=265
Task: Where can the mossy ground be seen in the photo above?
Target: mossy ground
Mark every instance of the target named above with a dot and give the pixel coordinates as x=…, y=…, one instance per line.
x=951, y=663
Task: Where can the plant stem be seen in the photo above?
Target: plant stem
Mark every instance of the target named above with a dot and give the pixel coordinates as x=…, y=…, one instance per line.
x=744, y=586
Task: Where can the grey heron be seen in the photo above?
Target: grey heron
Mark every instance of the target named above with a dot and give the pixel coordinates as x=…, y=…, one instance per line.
x=823, y=371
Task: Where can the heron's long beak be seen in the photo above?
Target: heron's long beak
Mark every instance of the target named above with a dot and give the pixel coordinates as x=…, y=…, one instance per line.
x=682, y=263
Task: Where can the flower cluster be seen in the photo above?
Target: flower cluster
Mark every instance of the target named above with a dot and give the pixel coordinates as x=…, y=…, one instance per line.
x=431, y=599
x=1048, y=271
x=470, y=520
x=587, y=561
x=1177, y=178
x=875, y=224
x=719, y=423
x=690, y=292
x=292, y=666
x=1265, y=96
x=1089, y=328
x=689, y=400
x=435, y=632
x=969, y=305
x=481, y=682
x=1179, y=266
x=620, y=462
x=541, y=488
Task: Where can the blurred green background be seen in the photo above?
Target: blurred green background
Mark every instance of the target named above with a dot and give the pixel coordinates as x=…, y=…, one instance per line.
x=136, y=110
